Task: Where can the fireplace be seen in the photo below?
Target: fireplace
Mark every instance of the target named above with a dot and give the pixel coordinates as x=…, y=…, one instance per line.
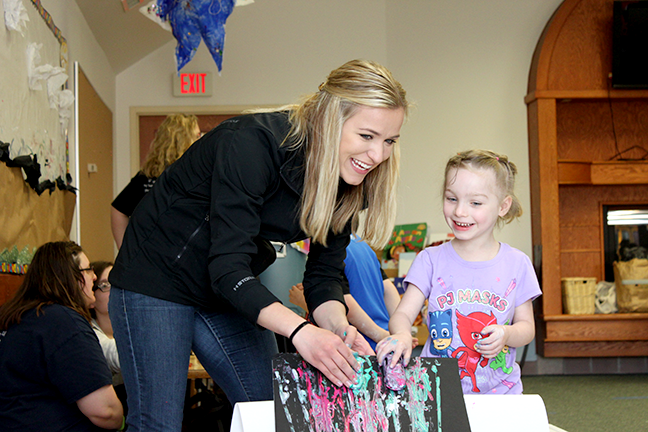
x=625, y=233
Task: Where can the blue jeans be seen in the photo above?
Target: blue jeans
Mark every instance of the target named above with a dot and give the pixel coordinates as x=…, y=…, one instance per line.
x=154, y=340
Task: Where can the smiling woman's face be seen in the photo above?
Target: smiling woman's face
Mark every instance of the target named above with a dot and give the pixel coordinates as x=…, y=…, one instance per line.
x=368, y=138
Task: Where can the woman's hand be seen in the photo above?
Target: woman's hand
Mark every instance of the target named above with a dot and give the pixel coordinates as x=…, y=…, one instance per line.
x=329, y=353
x=322, y=348
x=400, y=344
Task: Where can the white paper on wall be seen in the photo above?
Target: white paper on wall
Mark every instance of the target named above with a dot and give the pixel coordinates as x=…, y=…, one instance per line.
x=15, y=15
x=27, y=120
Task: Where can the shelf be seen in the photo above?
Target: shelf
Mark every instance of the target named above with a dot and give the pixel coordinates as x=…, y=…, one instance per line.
x=602, y=173
x=565, y=95
x=600, y=335
x=598, y=317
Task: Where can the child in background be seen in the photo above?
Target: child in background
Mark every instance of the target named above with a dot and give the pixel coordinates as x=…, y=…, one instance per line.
x=372, y=297
x=479, y=290
x=374, y=292
x=103, y=327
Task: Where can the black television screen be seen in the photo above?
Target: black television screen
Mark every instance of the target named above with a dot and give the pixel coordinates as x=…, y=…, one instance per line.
x=630, y=44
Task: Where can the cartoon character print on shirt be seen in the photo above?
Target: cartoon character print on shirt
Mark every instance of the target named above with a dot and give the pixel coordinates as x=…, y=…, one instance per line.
x=470, y=327
x=440, y=325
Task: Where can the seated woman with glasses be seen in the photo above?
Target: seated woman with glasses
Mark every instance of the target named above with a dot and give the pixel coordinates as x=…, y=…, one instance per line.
x=100, y=318
x=103, y=328
x=54, y=375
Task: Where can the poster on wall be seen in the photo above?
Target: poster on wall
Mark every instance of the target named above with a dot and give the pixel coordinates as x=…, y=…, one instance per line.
x=34, y=118
x=36, y=105
x=404, y=238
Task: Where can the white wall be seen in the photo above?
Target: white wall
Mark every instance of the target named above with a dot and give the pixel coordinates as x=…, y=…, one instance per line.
x=465, y=64
x=275, y=51
x=82, y=48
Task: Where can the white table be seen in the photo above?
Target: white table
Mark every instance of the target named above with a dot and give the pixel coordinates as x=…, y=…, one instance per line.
x=486, y=413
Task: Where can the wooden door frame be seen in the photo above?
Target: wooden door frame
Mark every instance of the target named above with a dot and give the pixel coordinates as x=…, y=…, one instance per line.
x=137, y=111
x=93, y=142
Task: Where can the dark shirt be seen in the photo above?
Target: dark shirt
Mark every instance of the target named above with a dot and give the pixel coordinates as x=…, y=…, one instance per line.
x=133, y=193
x=194, y=239
x=48, y=362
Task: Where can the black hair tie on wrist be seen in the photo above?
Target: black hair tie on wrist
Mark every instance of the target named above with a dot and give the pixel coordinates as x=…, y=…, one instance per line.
x=299, y=327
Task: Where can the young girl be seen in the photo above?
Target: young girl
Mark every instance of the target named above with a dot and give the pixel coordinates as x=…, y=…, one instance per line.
x=479, y=290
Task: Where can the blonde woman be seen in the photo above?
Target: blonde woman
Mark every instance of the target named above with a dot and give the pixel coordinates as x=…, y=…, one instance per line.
x=174, y=136
x=185, y=276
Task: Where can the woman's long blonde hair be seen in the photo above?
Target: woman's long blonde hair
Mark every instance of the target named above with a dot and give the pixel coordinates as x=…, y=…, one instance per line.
x=174, y=136
x=327, y=202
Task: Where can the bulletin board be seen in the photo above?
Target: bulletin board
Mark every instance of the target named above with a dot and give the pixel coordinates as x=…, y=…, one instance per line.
x=34, y=120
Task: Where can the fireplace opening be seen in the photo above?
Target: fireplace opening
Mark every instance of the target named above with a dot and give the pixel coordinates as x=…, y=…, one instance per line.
x=625, y=232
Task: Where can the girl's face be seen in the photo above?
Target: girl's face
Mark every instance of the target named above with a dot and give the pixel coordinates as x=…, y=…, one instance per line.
x=88, y=277
x=102, y=292
x=472, y=203
x=368, y=138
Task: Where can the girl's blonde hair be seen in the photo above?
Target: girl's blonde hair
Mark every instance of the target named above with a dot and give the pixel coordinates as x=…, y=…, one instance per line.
x=505, y=172
x=174, y=136
x=327, y=202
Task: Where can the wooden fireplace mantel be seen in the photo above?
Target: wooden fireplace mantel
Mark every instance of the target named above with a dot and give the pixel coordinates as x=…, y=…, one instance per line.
x=574, y=172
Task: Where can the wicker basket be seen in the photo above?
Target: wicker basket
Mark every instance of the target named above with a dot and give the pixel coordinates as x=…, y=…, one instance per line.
x=579, y=295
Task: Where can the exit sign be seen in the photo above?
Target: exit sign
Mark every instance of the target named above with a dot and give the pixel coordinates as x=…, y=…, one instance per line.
x=192, y=84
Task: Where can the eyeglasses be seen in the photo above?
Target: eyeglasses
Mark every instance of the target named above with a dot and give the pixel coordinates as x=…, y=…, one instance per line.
x=102, y=286
x=88, y=269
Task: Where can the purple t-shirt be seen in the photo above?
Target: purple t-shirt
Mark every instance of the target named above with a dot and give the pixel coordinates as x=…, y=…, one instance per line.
x=463, y=298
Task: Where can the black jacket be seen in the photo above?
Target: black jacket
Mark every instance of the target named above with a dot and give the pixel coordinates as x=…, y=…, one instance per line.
x=200, y=236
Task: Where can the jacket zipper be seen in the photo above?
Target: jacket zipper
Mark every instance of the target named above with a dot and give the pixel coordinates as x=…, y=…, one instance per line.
x=191, y=237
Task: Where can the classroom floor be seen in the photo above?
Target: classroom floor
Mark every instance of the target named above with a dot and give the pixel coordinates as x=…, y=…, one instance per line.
x=593, y=403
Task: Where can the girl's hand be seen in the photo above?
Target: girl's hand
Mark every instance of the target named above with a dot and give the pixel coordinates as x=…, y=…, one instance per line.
x=329, y=353
x=497, y=337
x=296, y=296
x=415, y=342
x=400, y=344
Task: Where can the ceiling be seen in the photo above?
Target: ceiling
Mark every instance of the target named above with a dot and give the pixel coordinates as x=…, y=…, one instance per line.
x=125, y=37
